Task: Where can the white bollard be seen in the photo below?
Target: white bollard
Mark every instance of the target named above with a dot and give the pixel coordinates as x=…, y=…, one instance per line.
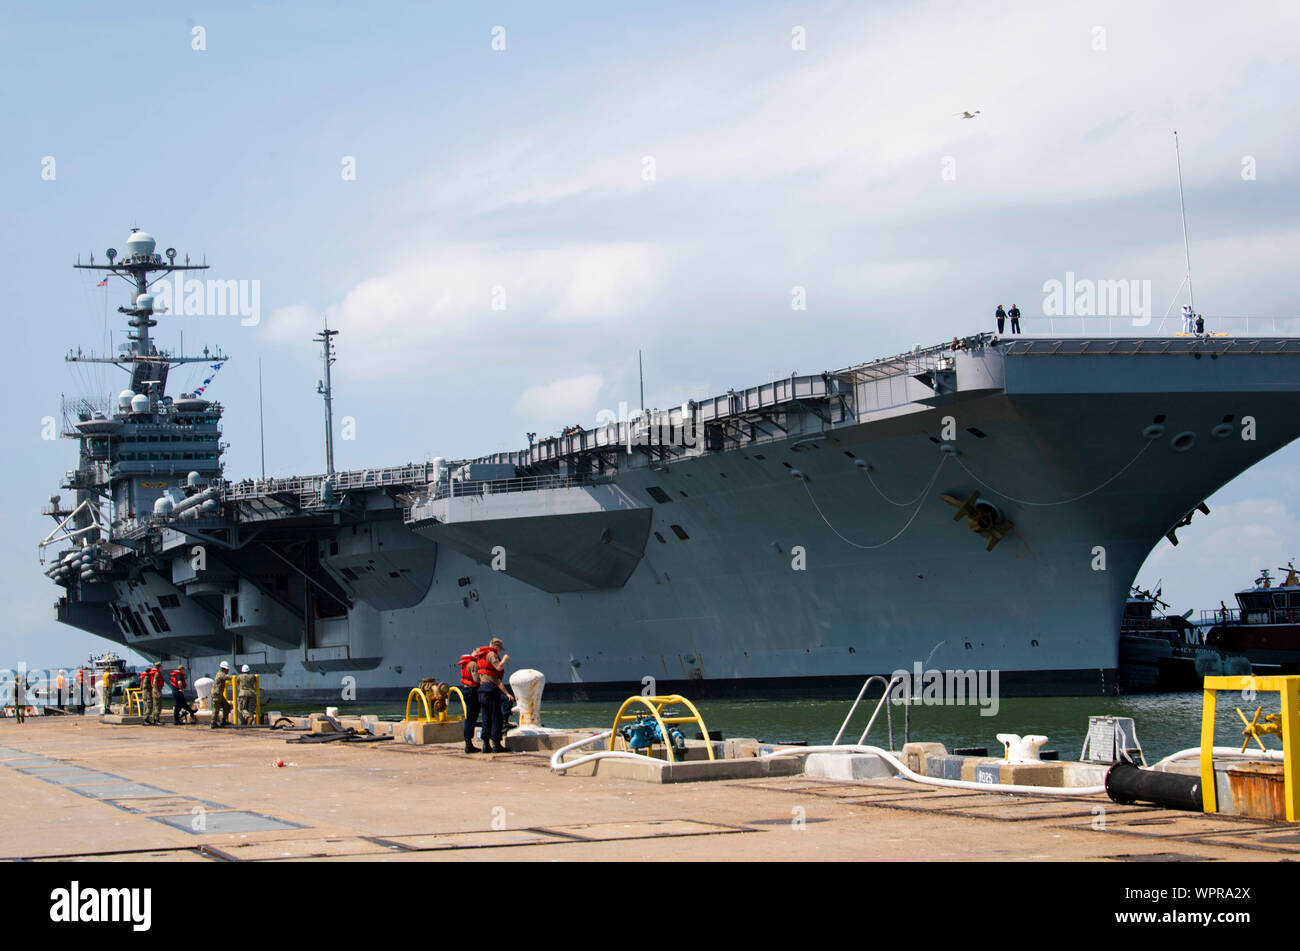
x=527, y=686
x=203, y=687
x=1021, y=749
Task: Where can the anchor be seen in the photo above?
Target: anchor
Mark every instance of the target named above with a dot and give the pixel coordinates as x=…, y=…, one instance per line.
x=983, y=518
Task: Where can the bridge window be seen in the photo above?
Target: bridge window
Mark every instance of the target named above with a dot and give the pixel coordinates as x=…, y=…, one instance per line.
x=679, y=532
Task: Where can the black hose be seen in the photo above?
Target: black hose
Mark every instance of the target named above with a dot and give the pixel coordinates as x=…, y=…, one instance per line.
x=1127, y=784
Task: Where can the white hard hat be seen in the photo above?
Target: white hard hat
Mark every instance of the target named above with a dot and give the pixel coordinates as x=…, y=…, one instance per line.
x=224, y=665
x=244, y=669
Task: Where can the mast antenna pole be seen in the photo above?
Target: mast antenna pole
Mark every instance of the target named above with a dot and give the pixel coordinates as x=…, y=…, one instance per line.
x=641, y=373
x=261, y=418
x=1191, y=297
x=326, y=339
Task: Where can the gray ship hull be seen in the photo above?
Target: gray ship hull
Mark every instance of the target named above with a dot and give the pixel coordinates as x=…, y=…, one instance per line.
x=800, y=555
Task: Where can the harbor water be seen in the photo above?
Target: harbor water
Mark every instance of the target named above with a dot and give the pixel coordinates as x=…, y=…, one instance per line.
x=1165, y=722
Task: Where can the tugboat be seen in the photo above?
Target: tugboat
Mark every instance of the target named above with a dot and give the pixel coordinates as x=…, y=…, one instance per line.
x=1167, y=652
x=1265, y=626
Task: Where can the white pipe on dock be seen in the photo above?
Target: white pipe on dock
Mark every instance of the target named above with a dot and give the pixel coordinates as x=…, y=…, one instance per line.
x=560, y=766
x=935, y=780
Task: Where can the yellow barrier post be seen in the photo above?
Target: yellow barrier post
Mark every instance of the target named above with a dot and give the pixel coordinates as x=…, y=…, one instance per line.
x=656, y=705
x=464, y=710
x=424, y=701
x=132, y=702
x=1289, y=689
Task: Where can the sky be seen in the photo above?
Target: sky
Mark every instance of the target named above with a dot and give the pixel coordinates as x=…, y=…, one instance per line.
x=499, y=205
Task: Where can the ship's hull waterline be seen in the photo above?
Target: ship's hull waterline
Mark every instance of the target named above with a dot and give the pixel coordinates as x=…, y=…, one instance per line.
x=805, y=560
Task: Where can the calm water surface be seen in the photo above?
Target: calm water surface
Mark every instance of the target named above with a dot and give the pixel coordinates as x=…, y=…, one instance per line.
x=1165, y=722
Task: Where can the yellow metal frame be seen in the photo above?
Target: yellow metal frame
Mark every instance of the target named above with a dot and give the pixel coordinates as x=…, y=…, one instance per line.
x=133, y=700
x=656, y=705
x=428, y=713
x=232, y=688
x=1289, y=688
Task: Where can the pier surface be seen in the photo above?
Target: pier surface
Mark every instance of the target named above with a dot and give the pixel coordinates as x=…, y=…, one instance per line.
x=76, y=788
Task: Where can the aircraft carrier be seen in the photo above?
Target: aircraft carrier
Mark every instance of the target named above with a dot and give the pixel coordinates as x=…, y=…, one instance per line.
x=978, y=507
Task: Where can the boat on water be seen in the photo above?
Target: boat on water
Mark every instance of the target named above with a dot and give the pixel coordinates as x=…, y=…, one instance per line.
x=1161, y=652
x=1265, y=625
x=983, y=505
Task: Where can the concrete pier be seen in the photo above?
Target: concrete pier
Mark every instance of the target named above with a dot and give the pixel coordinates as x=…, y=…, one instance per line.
x=75, y=788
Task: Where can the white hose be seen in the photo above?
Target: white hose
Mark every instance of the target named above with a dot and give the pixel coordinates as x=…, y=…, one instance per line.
x=559, y=766
x=1195, y=753
x=935, y=780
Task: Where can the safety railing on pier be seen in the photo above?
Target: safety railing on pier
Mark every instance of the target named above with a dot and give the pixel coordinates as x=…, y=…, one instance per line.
x=889, y=712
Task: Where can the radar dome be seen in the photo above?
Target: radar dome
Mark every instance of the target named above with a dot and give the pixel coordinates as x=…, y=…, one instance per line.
x=144, y=302
x=140, y=403
x=163, y=506
x=124, y=399
x=140, y=244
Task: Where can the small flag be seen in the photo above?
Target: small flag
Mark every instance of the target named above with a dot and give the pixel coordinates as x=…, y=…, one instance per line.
x=103, y=283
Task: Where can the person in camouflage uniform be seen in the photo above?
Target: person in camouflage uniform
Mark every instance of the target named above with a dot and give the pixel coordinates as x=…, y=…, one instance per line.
x=155, y=695
x=220, y=705
x=246, y=694
x=146, y=695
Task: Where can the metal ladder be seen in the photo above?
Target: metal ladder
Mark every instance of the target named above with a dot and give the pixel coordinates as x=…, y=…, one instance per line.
x=889, y=713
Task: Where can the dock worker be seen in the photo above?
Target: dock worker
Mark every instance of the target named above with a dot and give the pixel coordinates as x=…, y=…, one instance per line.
x=146, y=694
x=246, y=692
x=491, y=671
x=60, y=687
x=79, y=701
x=469, y=684
x=106, y=690
x=20, y=697
x=155, y=695
x=179, y=682
x=1001, y=315
x=1014, y=314
x=220, y=705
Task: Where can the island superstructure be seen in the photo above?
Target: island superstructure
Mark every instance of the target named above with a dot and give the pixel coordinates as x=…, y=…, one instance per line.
x=979, y=508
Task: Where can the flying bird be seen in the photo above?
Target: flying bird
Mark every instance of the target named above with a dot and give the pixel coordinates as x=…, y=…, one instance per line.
x=966, y=115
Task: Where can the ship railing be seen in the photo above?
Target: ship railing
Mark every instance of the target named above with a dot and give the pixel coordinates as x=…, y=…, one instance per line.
x=1220, y=616
x=1171, y=325
x=465, y=488
x=884, y=702
x=412, y=475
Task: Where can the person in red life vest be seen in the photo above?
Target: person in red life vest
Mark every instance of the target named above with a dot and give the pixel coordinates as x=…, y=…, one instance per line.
x=179, y=682
x=469, y=685
x=491, y=687
x=79, y=699
x=152, y=685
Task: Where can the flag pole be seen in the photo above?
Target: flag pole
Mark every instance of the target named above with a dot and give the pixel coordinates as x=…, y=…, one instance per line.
x=1191, y=297
x=261, y=425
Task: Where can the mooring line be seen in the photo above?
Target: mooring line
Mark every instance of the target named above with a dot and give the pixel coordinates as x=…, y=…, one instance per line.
x=1076, y=498
x=919, y=506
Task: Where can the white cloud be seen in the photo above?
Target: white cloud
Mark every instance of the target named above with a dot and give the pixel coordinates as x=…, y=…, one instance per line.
x=569, y=398
x=451, y=304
